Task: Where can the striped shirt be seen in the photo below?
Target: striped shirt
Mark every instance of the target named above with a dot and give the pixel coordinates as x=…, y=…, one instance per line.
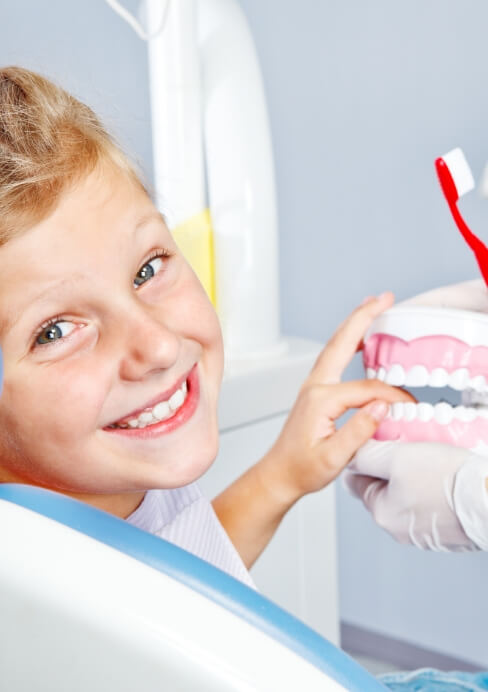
x=186, y=518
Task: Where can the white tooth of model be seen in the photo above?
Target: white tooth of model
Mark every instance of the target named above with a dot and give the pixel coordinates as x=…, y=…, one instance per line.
x=425, y=412
x=443, y=413
x=410, y=411
x=459, y=379
x=465, y=414
x=478, y=383
x=417, y=376
x=395, y=376
x=438, y=378
x=397, y=410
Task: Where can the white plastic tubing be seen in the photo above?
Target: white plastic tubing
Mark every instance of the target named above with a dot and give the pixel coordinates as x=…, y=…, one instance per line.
x=208, y=105
x=175, y=88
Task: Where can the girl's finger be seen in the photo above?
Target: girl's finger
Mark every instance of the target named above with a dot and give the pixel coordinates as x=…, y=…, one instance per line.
x=340, y=349
x=345, y=395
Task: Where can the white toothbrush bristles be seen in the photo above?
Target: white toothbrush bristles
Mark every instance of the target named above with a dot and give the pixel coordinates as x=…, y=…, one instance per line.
x=460, y=171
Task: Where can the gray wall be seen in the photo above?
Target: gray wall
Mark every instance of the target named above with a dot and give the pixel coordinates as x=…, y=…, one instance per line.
x=362, y=97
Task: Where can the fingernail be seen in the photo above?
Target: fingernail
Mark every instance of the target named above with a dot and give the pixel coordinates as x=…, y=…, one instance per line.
x=366, y=300
x=377, y=410
x=383, y=295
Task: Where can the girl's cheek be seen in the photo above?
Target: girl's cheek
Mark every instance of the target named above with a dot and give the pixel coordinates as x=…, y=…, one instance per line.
x=65, y=397
x=84, y=391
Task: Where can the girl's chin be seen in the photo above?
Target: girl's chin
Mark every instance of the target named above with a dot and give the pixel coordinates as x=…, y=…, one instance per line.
x=181, y=472
x=185, y=476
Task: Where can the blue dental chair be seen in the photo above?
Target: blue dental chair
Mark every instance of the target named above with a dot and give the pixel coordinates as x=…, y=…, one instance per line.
x=89, y=603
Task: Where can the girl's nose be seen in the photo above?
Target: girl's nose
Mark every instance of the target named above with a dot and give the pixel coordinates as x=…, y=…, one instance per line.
x=149, y=347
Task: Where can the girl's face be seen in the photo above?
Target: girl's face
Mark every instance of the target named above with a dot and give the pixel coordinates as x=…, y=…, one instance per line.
x=102, y=320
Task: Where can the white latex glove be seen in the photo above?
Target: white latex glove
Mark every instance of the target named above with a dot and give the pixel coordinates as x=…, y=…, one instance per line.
x=430, y=495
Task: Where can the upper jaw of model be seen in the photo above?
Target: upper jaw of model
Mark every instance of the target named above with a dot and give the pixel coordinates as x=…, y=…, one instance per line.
x=436, y=339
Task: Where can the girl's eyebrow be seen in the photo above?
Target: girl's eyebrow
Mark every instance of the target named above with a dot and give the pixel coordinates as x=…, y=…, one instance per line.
x=147, y=218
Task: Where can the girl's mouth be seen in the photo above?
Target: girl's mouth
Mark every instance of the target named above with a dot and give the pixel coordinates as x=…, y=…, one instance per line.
x=165, y=415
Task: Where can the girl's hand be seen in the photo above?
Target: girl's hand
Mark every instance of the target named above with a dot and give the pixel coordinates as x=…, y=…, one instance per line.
x=310, y=452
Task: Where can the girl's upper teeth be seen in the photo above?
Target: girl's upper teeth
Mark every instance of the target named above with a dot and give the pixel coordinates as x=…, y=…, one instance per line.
x=162, y=410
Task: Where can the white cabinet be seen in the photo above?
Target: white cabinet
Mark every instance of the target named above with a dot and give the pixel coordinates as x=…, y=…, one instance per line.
x=298, y=569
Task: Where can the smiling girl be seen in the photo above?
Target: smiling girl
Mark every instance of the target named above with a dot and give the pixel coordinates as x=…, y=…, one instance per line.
x=113, y=353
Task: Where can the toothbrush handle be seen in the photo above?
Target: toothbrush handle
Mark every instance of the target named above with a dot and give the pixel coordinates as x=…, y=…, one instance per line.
x=451, y=194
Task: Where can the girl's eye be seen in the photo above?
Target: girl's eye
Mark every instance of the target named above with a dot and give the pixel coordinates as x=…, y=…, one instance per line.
x=54, y=332
x=148, y=270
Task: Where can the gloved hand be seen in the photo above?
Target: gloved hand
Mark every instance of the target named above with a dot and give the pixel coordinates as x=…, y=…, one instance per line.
x=431, y=495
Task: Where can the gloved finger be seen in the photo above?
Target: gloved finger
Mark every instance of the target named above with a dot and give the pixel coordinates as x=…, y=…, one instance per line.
x=367, y=489
x=382, y=459
x=356, y=484
x=375, y=458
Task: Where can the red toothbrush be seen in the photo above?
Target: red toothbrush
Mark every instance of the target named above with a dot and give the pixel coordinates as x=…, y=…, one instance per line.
x=456, y=180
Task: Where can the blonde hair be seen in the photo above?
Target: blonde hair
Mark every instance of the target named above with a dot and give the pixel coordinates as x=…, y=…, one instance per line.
x=48, y=141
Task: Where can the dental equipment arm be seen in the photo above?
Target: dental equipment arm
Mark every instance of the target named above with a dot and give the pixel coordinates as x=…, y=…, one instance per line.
x=430, y=495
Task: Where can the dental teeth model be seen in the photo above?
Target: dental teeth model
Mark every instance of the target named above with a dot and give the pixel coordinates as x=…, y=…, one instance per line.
x=423, y=343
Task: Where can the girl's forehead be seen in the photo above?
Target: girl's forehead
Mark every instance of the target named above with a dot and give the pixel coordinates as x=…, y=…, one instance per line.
x=99, y=195
x=98, y=224
x=98, y=209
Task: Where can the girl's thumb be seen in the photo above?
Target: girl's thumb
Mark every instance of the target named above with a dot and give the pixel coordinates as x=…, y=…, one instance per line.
x=355, y=432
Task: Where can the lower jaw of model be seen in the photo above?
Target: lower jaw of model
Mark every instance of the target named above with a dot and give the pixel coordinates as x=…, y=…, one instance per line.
x=438, y=339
